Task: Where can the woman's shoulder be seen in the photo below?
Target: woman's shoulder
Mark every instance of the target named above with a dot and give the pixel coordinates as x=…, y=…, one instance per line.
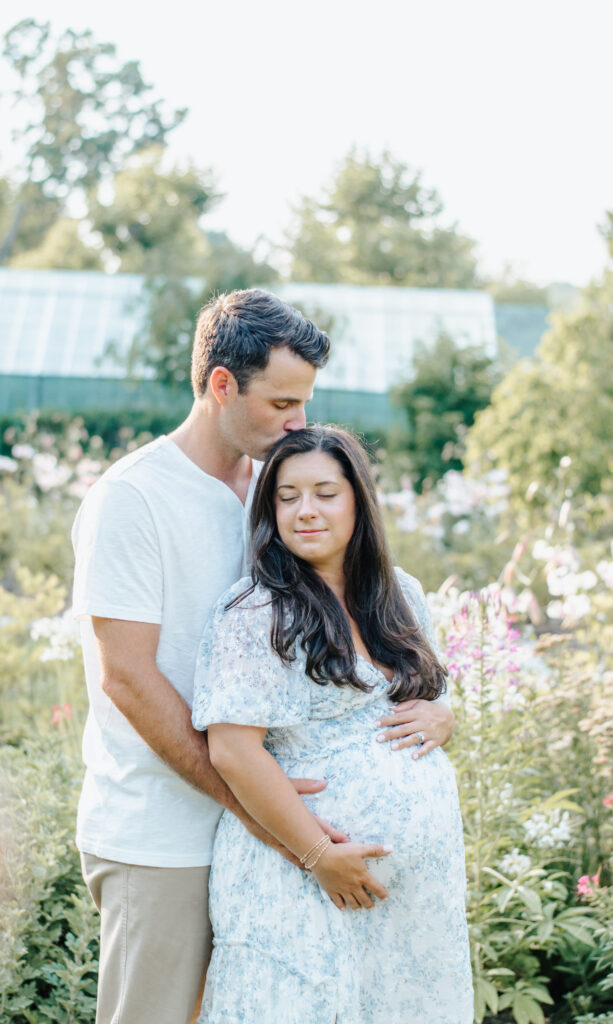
x=245, y=602
x=410, y=585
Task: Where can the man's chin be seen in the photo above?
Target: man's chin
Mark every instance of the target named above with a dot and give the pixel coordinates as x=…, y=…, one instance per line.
x=260, y=453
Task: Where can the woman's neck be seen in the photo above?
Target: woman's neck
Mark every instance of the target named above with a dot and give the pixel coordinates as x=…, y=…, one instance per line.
x=335, y=579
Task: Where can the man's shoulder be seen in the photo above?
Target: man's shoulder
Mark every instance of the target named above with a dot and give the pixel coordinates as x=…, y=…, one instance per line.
x=139, y=464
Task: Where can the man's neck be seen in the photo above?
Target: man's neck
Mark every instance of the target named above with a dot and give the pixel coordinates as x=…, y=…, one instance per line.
x=199, y=438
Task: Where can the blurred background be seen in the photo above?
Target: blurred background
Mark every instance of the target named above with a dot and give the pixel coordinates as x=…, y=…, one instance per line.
x=433, y=185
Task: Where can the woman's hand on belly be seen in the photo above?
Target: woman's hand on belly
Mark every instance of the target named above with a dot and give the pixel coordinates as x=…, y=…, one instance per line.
x=342, y=873
x=410, y=721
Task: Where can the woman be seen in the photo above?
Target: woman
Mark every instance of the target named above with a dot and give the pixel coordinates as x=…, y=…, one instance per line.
x=291, y=671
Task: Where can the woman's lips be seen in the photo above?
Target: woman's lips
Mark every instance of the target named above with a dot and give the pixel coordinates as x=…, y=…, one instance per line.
x=309, y=533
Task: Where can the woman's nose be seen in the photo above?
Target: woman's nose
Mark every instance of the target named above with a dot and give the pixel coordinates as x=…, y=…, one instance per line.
x=305, y=509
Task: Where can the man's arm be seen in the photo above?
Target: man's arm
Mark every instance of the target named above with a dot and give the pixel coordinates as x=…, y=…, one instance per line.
x=152, y=706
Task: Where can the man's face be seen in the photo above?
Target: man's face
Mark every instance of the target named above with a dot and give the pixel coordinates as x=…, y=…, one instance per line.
x=273, y=404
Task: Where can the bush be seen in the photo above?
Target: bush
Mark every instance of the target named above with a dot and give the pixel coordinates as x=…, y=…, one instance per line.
x=49, y=925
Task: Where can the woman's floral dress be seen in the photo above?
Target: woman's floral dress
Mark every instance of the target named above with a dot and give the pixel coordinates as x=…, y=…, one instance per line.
x=283, y=952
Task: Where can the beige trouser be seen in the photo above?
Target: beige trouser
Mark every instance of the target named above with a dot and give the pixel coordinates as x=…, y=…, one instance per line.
x=155, y=940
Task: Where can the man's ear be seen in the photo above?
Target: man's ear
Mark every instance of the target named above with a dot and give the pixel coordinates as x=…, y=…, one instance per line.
x=223, y=385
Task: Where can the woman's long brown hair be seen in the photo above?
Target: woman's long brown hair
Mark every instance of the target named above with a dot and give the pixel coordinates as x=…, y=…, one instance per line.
x=306, y=611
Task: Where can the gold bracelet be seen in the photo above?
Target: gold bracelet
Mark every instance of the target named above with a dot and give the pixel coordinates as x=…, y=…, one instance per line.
x=314, y=848
x=309, y=865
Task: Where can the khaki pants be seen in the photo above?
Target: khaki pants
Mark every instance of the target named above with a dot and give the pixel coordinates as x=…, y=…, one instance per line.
x=155, y=940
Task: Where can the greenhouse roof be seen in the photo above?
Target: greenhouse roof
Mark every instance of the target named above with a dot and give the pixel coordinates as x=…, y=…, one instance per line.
x=63, y=323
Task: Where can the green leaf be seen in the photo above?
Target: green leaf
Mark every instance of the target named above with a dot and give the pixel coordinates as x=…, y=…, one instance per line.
x=531, y=899
x=526, y=1010
x=577, y=932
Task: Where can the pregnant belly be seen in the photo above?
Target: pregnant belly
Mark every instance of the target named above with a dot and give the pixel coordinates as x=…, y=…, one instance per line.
x=379, y=795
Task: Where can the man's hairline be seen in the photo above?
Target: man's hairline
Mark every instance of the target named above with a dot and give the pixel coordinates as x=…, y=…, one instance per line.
x=259, y=372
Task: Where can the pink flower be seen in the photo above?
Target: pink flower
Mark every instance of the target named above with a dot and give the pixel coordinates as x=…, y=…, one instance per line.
x=61, y=713
x=583, y=886
x=608, y=801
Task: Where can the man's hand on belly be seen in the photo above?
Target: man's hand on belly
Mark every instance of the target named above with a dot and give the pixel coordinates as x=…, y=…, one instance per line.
x=413, y=720
x=304, y=786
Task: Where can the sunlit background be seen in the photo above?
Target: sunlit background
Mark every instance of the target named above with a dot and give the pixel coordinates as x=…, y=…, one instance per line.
x=433, y=185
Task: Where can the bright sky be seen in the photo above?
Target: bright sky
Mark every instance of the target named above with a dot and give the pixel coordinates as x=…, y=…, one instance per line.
x=505, y=107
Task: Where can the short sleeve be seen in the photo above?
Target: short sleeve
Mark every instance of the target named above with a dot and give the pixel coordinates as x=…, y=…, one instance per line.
x=118, y=563
x=239, y=678
x=416, y=600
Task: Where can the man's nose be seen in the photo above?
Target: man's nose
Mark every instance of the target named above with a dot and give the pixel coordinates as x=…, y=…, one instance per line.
x=297, y=421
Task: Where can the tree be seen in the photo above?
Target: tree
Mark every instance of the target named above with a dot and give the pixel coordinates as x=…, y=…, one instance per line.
x=511, y=288
x=90, y=112
x=62, y=247
x=449, y=386
x=172, y=302
x=557, y=406
x=377, y=224
x=152, y=223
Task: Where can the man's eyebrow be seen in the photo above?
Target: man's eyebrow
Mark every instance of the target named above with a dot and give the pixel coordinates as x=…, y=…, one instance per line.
x=292, y=400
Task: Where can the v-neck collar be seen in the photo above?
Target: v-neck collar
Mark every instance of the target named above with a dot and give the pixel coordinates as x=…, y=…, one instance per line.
x=214, y=479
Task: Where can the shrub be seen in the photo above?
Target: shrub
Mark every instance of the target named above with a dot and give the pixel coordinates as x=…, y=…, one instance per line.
x=48, y=924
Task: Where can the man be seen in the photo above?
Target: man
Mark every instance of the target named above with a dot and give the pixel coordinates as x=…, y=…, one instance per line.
x=158, y=538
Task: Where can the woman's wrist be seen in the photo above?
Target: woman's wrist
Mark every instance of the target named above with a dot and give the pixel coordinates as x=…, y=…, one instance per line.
x=310, y=859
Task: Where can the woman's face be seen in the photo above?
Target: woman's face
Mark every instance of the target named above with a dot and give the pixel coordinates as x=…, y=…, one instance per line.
x=315, y=509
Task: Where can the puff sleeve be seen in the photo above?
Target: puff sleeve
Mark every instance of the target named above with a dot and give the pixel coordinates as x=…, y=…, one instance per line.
x=239, y=678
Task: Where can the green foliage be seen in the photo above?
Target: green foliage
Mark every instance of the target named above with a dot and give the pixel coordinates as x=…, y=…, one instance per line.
x=524, y=745
x=61, y=248
x=92, y=110
x=26, y=215
x=172, y=304
x=511, y=288
x=377, y=224
x=449, y=386
x=48, y=924
x=558, y=406
x=152, y=223
x=87, y=113
x=533, y=746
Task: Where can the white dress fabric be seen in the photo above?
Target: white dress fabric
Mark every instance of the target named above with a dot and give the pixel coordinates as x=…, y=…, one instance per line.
x=283, y=952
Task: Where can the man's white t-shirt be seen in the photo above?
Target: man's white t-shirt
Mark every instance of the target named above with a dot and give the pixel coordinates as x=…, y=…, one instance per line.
x=156, y=540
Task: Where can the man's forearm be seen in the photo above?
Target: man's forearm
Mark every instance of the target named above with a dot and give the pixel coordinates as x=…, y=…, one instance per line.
x=163, y=720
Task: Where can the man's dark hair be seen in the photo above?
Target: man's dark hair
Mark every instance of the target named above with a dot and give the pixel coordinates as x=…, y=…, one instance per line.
x=239, y=329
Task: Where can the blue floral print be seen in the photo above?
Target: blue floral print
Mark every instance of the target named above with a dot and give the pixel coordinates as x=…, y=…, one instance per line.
x=283, y=953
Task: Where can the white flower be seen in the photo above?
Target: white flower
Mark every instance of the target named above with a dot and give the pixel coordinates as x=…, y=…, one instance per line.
x=515, y=863
x=7, y=465
x=576, y=607
x=62, y=632
x=543, y=551
x=23, y=451
x=555, y=609
x=462, y=526
x=562, y=583
x=48, y=473
x=605, y=571
x=548, y=830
